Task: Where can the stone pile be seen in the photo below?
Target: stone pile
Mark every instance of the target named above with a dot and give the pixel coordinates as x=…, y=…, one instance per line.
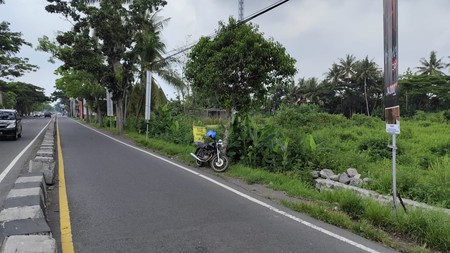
x=351, y=180
x=350, y=177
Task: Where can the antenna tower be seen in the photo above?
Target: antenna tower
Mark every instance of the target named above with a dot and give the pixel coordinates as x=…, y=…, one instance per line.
x=241, y=10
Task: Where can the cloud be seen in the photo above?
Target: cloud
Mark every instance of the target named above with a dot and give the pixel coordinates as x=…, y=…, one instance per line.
x=315, y=32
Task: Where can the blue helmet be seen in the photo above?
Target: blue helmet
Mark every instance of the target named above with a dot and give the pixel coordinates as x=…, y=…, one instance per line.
x=211, y=134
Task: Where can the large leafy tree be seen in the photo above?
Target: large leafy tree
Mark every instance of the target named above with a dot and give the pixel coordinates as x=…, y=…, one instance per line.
x=24, y=97
x=235, y=69
x=83, y=68
x=10, y=44
x=81, y=84
x=433, y=66
x=425, y=92
x=116, y=28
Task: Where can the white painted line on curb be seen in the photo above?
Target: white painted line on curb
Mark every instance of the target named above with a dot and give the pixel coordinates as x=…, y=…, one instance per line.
x=32, y=179
x=261, y=203
x=17, y=193
x=29, y=243
x=13, y=162
x=21, y=213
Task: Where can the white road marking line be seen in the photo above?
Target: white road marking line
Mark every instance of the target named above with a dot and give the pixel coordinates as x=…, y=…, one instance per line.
x=256, y=201
x=13, y=162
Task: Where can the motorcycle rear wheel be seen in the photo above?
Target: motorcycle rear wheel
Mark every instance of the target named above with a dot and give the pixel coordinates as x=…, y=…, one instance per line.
x=199, y=153
x=219, y=165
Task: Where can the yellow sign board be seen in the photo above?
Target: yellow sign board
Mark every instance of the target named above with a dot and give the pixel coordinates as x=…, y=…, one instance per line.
x=199, y=133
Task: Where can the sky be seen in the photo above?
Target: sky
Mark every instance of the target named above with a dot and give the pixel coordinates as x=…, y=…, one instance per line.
x=314, y=32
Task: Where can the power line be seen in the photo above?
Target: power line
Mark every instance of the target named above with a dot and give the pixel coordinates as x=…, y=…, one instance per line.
x=254, y=15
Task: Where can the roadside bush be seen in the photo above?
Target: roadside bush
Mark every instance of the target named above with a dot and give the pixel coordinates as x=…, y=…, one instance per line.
x=446, y=115
x=377, y=148
x=364, y=120
x=268, y=146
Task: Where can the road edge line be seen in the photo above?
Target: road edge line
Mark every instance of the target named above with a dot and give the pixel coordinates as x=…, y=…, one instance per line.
x=14, y=161
x=64, y=215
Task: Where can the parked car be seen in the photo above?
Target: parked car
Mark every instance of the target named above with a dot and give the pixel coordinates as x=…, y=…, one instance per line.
x=10, y=124
x=37, y=114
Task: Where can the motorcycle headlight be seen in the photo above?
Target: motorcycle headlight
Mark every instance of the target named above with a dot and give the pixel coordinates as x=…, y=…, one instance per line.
x=11, y=125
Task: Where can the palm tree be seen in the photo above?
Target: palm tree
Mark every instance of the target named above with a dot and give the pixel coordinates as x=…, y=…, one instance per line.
x=347, y=66
x=151, y=50
x=310, y=90
x=448, y=65
x=432, y=66
x=341, y=77
x=367, y=71
x=334, y=74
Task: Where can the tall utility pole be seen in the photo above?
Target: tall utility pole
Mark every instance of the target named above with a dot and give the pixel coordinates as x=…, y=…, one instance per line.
x=241, y=10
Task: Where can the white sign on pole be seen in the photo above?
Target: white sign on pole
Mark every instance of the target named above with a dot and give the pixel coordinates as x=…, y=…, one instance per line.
x=109, y=104
x=148, y=94
x=84, y=108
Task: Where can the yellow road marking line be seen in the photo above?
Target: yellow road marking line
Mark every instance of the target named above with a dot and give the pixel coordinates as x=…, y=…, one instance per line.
x=64, y=221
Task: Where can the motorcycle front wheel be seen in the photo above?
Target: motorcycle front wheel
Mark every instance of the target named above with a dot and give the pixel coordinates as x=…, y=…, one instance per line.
x=219, y=164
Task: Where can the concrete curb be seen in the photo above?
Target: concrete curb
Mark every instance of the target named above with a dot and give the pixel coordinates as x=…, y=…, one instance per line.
x=327, y=184
x=23, y=219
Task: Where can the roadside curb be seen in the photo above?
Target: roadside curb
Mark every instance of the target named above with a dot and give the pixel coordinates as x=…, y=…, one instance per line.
x=24, y=224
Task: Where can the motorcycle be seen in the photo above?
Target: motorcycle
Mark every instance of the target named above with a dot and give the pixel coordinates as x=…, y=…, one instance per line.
x=211, y=153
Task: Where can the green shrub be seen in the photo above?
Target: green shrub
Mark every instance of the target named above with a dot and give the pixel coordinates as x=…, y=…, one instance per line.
x=377, y=214
x=377, y=148
x=367, y=121
x=446, y=115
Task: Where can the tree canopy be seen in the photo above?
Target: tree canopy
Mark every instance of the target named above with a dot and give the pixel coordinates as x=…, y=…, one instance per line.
x=235, y=69
x=116, y=41
x=10, y=45
x=433, y=66
x=24, y=97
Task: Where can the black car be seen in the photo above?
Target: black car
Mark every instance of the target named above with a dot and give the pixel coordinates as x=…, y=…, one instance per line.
x=10, y=124
x=47, y=114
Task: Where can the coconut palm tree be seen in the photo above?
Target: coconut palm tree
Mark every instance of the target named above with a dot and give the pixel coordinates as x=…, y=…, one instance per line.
x=151, y=49
x=347, y=66
x=432, y=66
x=448, y=65
x=367, y=72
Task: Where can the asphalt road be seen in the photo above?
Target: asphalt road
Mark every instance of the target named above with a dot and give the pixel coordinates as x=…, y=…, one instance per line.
x=122, y=199
x=14, y=155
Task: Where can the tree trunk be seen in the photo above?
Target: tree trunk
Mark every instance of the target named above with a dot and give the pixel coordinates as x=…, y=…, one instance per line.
x=99, y=112
x=365, y=96
x=119, y=114
x=117, y=67
x=375, y=104
x=87, y=118
x=226, y=134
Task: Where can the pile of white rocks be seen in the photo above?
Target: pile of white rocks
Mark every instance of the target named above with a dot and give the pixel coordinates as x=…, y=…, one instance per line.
x=350, y=177
x=351, y=180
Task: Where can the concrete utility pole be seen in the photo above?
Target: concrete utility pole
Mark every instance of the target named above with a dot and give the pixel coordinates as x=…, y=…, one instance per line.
x=241, y=10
